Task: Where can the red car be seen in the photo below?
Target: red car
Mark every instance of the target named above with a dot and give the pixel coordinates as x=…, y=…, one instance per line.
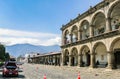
x=10, y=69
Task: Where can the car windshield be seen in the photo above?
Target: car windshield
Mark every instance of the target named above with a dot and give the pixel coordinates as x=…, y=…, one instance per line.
x=11, y=65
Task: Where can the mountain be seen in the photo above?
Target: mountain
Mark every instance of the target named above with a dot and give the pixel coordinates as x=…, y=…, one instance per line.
x=22, y=49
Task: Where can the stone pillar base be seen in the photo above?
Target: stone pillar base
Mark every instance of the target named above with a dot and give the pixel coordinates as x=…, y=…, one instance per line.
x=80, y=65
x=69, y=66
x=62, y=64
x=93, y=66
x=111, y=67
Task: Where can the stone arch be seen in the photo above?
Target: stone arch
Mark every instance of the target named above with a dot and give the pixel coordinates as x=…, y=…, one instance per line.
x=114, y=14
x=115, y=44
x=82, y=48
x=115, y=48
x=99, y=23
x=66, y=37
x=66, y=57
x=74, y=56
x=85, y=51
x=74, y=28
x=74, y=33
x=100, y=51
x=111, y=8
x=66, y=31
x=84, y=28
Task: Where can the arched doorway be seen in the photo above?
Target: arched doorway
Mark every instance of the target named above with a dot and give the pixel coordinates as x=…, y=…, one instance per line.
x=66, y=55
x=74, y=57
x=115, y=47
x=86, y=56
x=117, y=57
x=114, y=14
x=66, y=37
x=84, y=29
x=99, y=23
x=74, y=34
x=100, y=54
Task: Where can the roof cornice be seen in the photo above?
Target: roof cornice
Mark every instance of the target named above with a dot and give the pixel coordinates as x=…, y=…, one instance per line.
x=87, y=13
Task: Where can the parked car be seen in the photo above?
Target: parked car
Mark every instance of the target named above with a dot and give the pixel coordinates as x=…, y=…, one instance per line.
x=20, y=67
x=19, y=63
x=10, y=69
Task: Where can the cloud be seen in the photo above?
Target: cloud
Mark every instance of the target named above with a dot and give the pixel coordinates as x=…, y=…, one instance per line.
x=11, y=37
x=16, y=33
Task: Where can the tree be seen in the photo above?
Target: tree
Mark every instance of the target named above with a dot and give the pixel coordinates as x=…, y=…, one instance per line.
x=7, y=56
x=2, y=52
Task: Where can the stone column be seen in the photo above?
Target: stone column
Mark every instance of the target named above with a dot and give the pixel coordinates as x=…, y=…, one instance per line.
x=80, y=60
x=91, y=31
x=79, y=35
x=50, y=60
x=62, y=58
x=59, y=60
x=70, y=62
x=35, y=60
x=92, y=60
x=108, y=25
x=53, y=60
x=63, y=39
x=32, y=60
x=44, y=61
x=111, y=60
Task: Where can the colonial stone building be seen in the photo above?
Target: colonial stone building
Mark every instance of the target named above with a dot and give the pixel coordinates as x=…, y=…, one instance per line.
x=93, y=38
x=53, y=58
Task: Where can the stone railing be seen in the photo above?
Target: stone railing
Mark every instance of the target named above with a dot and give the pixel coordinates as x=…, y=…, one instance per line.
x=91, y=39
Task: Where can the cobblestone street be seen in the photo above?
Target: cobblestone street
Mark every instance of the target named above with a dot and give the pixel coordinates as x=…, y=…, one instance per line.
x=56, y=72
x=36, y=71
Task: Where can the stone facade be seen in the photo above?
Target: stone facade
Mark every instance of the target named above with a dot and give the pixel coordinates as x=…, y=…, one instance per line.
x=93, y=38
x=53, y=58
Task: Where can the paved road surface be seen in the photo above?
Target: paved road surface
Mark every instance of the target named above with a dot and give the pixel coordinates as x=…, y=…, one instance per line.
x=36, y=71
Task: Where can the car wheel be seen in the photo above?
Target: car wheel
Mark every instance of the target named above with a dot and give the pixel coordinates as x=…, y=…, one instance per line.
x=3, y=75
x=17, y=75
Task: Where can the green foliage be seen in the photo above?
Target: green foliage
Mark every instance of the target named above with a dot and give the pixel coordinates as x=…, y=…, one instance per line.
x=2, y=52
x=7, y=56
x=1, y=63
x=3, y=55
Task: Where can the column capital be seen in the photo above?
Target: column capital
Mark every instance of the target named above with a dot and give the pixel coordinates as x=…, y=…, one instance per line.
x=80, y=54
x=108, y=18
x=93, y=53
x=70, y=55
x=91, y=25
x=70, y=34
x=109, y=51
x=79, y=30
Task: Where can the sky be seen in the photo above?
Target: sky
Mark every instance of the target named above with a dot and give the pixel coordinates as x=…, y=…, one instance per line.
x=38, y=22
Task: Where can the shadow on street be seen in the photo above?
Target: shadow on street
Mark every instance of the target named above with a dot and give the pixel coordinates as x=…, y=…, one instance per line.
x=19, y=76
